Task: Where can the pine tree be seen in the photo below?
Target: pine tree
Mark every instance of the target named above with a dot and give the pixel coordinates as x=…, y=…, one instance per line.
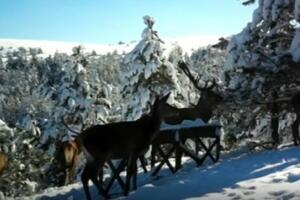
x=268, y=39
x=146, y=71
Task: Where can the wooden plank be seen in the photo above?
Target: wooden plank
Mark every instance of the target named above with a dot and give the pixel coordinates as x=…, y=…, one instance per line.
x=205, y=131
x=208, y=153
x=178, y=137
x=190, y=154
x=116, y=175
x=165, y=160
x=208, y=150
x=168, y=136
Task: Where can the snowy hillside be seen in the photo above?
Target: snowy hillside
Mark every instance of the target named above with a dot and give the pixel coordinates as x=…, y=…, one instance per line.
x=262, y=175
x=50, y=47
x=87, y=84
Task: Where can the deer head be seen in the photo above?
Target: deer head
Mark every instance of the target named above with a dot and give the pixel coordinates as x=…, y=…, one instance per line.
x=162, y=109
x=208, y=101
x=69, y=158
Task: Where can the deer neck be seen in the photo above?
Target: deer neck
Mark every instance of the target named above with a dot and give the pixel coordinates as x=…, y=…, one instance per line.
x=153, y=124
x=204, y=110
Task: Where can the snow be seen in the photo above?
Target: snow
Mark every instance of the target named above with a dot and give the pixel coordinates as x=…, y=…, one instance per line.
x=256, y=16
x=295, y=47
x=270, y=174
x=186, y=124
x=188, y=44
x=50, y=47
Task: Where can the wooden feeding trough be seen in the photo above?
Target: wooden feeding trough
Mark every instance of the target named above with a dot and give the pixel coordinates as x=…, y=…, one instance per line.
x=176, y=136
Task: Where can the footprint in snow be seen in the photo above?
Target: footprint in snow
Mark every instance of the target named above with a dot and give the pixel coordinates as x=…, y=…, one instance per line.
x=232, y=194
x=288, y=196
x=247, y=193
x=291, y=178
x=251, y=188
x=238, y=197
x=278, y=193
x=276, y=180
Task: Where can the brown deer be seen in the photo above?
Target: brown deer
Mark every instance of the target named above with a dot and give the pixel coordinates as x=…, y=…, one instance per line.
x=71, y=152
x=66, y=160
x=3, y=162
x=131, y=139
x=205, y=106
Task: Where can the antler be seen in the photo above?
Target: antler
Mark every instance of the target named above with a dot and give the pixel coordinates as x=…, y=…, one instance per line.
x=182, y=65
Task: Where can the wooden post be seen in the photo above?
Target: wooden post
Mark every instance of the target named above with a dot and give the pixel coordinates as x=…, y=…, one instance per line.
x=274, y=107
x=153, y=153
x=295, y=125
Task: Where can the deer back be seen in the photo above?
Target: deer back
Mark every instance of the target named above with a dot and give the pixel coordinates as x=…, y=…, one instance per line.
x=122, y=138
x=203, y=110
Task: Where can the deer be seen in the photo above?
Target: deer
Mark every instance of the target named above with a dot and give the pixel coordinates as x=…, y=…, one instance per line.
x=203, y=110
x=127, y=139
x=206, y=103
x=3, y=162
x=70, y=151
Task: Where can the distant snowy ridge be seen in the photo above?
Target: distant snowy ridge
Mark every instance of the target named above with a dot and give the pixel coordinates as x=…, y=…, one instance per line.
x=50, y=47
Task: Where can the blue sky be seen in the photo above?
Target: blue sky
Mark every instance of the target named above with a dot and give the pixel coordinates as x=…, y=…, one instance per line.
x=110, y=21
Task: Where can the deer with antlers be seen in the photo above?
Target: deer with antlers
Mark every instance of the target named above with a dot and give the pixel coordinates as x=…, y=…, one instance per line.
x=205, y=106
x=101, y=143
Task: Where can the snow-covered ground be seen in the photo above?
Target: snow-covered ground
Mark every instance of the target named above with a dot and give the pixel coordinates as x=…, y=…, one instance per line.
x=50, y=47
x=271, y=174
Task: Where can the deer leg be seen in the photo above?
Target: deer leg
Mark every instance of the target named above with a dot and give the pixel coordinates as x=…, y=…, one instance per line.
x=74, y=165
x=91, y=171
x=134, y=176
x=100, y=175
x=143, y=163
x=70, y=174
x=85, y=177
x=67, y=176
x=153, y=152
x=131, y=163
x=96, y=168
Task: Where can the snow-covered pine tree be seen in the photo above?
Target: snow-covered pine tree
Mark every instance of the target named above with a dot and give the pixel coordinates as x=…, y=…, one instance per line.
x=266, y=46
x=145, y=71
x=22, y=110
x=267, y=39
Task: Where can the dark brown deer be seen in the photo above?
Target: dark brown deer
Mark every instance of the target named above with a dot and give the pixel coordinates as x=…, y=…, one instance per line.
x=123, y=139
x=3, y=162
x=205, y=106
